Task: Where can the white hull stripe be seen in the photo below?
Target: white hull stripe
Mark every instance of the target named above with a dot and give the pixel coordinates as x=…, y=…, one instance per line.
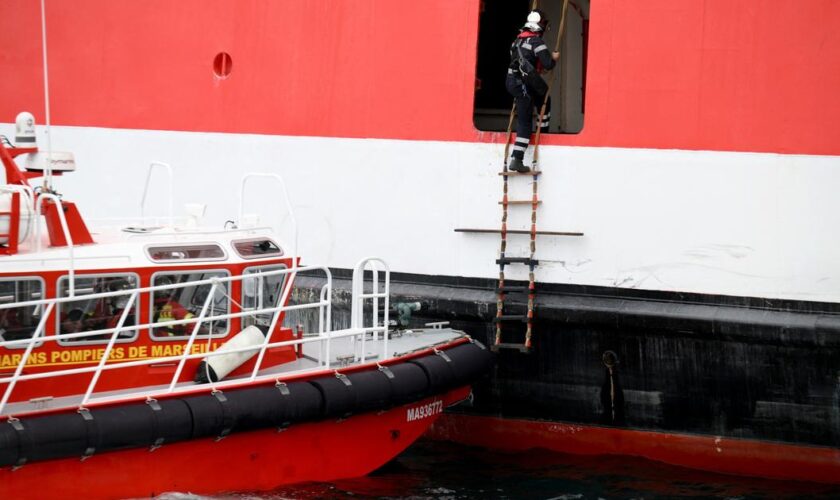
x=728, y=245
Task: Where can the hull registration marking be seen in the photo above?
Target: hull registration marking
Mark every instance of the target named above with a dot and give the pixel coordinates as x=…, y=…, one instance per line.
x=424, y=411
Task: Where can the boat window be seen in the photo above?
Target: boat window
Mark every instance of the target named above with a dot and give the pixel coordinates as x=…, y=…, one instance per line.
x=169, y=253
x=88, y=314
x=261, y=247
x=499, y=24
x=184, y=303
x=261, y=292
x=17, y=323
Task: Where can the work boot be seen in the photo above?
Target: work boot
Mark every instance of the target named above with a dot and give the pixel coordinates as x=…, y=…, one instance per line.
x=517, y=166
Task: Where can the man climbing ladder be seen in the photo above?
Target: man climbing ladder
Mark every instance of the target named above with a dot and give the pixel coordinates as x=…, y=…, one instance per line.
x=528, y=53
x=528, y=57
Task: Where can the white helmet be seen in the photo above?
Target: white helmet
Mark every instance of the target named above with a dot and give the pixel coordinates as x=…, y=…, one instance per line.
x=536, y=21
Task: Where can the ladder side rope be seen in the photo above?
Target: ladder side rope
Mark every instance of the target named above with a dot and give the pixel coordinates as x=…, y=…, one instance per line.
x=503, y=246
x=509, y=134
x=534, y=203
x=534, y=196
x=550, y=82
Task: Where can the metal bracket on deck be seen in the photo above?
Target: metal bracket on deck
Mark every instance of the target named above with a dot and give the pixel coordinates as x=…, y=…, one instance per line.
x=222, y=400
x=219, y=395
x=443, y=355
x=155, y=406
x=225, y=432
x=18, y=427
x=477, y=343
x=88, y=418
x=343, y=378
x=282, y=387
x=15, y=423
x=387, y=371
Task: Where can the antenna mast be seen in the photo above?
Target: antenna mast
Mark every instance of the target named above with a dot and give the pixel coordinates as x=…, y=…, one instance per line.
x=48, y=174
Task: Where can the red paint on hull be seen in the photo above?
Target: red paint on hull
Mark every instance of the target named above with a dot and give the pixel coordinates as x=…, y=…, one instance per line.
x=716, y=454
x=259, y=460
x=710, y=75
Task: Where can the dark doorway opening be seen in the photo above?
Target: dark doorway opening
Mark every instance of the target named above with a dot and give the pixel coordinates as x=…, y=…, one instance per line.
x=498, y=26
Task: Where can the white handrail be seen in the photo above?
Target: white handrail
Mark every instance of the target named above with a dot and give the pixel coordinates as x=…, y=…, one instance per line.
x=108, y=349
x=64, y=228
x=348, y=333
x=286, y=198
x=324, y=338
x=322, y=321
x=271, y=327
x=359, y=296
x=159, y=324
x=157, y=288
x=211, y=295
x=168, y=169
x=23, y=359
x=27, y=190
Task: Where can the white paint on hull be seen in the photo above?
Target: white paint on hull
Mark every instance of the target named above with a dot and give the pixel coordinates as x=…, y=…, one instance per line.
x=744, y=224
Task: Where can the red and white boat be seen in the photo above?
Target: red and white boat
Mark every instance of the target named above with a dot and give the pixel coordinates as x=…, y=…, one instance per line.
x=146, y=357
x=694, y=144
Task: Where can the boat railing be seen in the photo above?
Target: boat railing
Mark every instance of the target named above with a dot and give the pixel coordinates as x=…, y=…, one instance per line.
x=324, y=338
x=141, y=223
x=168, y=169
x=360, y=296
x=65, y=229
x=286, y=200
x=15, y=188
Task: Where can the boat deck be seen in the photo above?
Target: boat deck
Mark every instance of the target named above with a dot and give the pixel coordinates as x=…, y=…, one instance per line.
x=344, y=353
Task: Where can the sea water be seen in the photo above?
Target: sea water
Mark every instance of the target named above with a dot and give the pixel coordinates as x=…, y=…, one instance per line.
x=437, y=470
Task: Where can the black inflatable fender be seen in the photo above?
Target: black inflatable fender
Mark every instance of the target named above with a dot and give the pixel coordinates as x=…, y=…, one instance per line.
x=142, y=424
x=374, y=390
x=438, y=369
x=106, y=429
x=274, y=406
x=469, y=361
x=216, y=414
x=338, y=394
x=409, y=383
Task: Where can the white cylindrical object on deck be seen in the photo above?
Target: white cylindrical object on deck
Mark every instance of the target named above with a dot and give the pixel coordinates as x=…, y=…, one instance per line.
x=223, y=364
x=26, y=216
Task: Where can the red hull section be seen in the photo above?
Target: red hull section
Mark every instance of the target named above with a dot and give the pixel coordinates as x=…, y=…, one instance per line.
x=259, y=460
x=711, y=75
x=715, y=454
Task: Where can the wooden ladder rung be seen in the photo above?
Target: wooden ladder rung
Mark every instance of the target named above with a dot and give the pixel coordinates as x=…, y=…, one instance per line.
x=511, y=173
x=518, y=231
x=520, y=202
x=511, y=317
x=507, y=345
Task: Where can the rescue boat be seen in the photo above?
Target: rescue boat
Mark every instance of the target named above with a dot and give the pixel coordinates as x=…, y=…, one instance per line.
x=693, y=144
x=154, y=354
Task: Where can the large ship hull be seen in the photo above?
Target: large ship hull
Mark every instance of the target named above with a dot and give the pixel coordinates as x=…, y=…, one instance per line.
x=742, y=457
x=703, y=177
x=724, y=384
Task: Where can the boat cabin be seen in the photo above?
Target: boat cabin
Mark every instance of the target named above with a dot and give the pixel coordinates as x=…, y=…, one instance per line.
x=151, y=281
